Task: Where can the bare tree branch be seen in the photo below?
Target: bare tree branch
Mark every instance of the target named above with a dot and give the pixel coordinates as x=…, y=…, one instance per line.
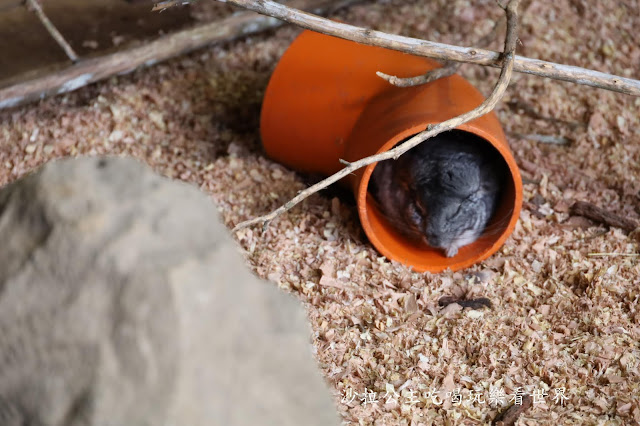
x=53, y=30
x=95, y=69
x=510, y=416
x=484, y=108
x=447, y=69
x=600, y=215
x=45, y=83
x=444, y=52
x=160, y=6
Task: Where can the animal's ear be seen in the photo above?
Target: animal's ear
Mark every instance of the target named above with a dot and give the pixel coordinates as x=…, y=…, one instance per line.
x=415, y=215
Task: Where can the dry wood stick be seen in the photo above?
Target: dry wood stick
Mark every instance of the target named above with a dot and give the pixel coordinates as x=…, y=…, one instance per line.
x=600, y=215
x=53, y=30
x=510, y=416
x=444, y=52
x=91, y=70
x=477, y=304
x=167, y=4
x=447, y=69
x=484, y=108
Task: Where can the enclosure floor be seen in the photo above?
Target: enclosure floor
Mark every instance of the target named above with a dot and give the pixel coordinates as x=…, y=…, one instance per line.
x=561, y=317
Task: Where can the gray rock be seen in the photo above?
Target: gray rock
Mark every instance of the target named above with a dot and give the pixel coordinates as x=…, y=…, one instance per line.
x=123, y=301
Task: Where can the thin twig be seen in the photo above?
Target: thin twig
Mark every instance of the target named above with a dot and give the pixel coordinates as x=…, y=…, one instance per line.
x=484, y=108
x=53, y=30
x=447, y=69
x=510, y=416
x=475, y=304
x=600, y=215
x=163, y=5
x=441, y=51
x=92, y=70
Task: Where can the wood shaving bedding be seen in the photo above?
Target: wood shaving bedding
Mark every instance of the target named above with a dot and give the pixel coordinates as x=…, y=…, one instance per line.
x=564, y=324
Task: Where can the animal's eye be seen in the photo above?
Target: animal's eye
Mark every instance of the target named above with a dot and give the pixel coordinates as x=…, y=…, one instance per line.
x=454, y=213
x=415, y=215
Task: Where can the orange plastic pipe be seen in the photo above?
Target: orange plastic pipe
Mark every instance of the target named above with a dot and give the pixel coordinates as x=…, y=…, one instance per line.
x=324, y=103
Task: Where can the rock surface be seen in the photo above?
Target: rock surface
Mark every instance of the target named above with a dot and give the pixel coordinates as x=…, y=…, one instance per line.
x=123, y=301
